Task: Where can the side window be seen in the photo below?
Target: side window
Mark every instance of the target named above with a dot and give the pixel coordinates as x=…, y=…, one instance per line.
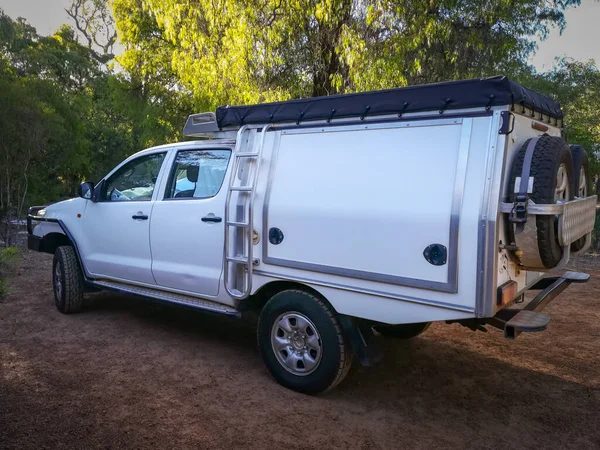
x=198, y=173
x=135, y=181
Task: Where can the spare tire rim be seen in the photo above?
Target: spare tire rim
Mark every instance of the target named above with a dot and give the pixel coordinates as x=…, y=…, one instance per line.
x=562, y=191
x=296, y=343
x=582, y=188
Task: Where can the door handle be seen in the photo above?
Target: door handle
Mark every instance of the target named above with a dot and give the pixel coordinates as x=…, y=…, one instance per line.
x=139, y=217
x=212, y=219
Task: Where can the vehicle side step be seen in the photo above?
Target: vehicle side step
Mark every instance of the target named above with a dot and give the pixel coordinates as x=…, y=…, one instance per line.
x=526, y=321
x=169, y=297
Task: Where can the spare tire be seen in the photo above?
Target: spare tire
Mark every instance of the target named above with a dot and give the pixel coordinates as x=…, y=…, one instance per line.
x=552, y=172
x=582, y=183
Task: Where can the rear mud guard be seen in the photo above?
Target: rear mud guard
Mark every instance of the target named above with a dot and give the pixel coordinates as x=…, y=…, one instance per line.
x=362, y=340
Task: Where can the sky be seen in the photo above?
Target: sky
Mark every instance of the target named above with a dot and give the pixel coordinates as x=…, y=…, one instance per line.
x=580, y=40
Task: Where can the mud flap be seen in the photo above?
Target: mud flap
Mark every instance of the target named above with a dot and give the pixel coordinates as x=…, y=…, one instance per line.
x=363, y=342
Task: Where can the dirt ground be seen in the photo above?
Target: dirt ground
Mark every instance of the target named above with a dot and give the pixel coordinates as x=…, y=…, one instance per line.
x=129, y=374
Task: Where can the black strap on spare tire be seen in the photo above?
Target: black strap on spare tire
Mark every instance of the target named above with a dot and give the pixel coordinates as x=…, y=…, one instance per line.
x=518, y=214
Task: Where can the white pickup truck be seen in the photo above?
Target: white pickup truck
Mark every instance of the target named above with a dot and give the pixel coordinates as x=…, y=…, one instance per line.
x=337, y=218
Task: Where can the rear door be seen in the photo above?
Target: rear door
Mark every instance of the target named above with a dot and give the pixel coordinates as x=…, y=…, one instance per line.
x=187, y=226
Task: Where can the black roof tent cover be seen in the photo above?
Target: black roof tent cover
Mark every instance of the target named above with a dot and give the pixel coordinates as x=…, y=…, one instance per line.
x=429, y=97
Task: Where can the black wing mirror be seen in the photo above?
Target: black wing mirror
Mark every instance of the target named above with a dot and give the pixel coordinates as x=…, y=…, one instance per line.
x=86, y=190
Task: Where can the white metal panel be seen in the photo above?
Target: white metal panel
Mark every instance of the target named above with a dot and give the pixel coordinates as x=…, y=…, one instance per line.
x=366, y=200
x=187, y=253
x=399, y=299
x=115, y=245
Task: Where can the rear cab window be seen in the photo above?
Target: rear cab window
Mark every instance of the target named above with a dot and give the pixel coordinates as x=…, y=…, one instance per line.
x=197, y=174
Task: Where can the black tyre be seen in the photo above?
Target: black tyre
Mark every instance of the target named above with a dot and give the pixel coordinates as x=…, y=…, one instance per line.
x=67, y=280
x=582, y=183
x=552, y=164
x=302, y=342
x=406, y=331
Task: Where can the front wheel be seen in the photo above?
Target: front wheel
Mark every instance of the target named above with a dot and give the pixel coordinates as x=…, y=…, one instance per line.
x=67, y=280
x=302, y=342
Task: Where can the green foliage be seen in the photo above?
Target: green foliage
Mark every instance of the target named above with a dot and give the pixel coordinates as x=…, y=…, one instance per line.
x=64, y=117
x=8, y=258
x=234, y=51
x=576, y=85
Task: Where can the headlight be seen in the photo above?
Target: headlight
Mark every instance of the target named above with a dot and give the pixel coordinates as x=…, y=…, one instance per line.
x=41, y=213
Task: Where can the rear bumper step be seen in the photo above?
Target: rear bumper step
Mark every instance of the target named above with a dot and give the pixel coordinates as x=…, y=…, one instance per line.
x=529, y=318
x=526, y=321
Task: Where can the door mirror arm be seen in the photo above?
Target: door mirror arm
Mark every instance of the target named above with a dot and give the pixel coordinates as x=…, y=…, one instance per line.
x=96, y=194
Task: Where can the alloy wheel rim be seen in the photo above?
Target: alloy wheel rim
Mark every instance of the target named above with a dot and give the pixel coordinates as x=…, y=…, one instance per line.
x=563, y=189
x=582, y=188
x=296, y=343
x=58, y=281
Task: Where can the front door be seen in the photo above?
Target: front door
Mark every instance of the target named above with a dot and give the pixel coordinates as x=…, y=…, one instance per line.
x=187, y=227
x=116, y=238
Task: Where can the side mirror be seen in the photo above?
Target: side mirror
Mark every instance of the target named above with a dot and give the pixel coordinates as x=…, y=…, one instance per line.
x=86, y=190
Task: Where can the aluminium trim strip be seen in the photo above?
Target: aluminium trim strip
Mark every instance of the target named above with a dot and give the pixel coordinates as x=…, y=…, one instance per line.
x=405, y=298
x=372, y=125
x=451, y=284
x=250, y=229
x=489, y=215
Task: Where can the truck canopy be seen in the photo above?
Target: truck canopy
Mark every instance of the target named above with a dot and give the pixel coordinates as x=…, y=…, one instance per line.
x=440, y=97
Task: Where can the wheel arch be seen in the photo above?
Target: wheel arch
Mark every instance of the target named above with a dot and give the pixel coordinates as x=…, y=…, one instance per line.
x=53, y=240
x=258, y=300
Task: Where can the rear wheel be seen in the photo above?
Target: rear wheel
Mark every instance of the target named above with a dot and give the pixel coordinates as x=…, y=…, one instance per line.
x=406, y=331
x=67, y=280
x=302, y=342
